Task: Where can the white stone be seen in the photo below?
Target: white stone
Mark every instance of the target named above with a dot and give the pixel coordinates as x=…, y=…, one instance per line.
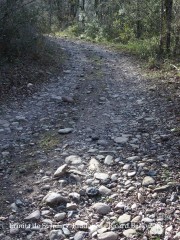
x=108, y=236
x=93, y=165
x=101, y=176
x=157, y=229
x=125, y=218
x=73, y=159
x=148, y=181
x=133, y=158
x=108, y=160
x=81, y=225
x=129, y=233
x=61, y=171
x=136, y=219
x=65, y=130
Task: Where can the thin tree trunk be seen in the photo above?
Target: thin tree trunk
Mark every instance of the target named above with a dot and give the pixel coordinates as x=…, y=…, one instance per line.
x=138, y=21
x=50, y=14
x=168, y=5
x=161, y=42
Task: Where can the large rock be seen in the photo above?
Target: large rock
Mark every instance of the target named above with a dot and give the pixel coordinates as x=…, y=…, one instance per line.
x=101, y=208
x=61, y=171
x=54, y=199
x=108, y=236
x=73, y=159
x=148, y=181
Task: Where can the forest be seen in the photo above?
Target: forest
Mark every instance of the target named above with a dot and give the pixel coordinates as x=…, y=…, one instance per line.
x=149, y=28
x=89, y=119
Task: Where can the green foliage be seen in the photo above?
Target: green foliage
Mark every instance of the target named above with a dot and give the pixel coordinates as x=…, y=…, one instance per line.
x=147, y=48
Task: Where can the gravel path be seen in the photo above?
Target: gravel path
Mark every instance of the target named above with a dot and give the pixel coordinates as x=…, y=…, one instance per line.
x=93, y=154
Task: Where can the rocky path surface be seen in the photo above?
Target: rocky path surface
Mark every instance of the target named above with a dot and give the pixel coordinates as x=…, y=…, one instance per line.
x=94, y=154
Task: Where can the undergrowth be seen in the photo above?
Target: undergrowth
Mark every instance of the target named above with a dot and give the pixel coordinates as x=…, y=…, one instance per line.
x=146, y=50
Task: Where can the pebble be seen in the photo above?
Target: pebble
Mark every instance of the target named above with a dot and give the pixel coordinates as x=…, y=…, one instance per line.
x=71, y=206
x=121, y=140
x=120, y=205
x=162, y=188
x=104, y=190
x=177, y=236
x=61, y=171
x=93, y=165
x=101, y=208
x=136, y=219
x=81, y=225
x=131, y=174
x=60, y=216
x=133, y=158
x=80, y=235
x=75, y=196
x=73, y=159
x=65, y=130
x=54, y=198
x=157, y=229
x=108, y=160
x=92, y=191
x=148, y=181
x=129, y=233
x=108, y=236
x=14, y=231
x=101, y=176
x=34, y=216
x=56, y=235
x=125, y=218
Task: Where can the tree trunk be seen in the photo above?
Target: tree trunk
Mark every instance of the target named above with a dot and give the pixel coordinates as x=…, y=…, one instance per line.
x=177, y=42
x=168, y=6
x=138, y=21
x=161, y=42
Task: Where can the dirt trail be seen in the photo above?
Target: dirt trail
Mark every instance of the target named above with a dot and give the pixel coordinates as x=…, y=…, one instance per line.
x=109, y=110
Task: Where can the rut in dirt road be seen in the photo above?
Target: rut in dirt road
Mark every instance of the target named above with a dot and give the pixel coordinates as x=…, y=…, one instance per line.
x=93, y=149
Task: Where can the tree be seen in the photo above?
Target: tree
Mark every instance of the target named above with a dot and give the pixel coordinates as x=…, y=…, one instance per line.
x=169, y=9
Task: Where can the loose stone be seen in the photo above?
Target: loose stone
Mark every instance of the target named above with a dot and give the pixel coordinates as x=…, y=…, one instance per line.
x=101, y=208
x=108, y=236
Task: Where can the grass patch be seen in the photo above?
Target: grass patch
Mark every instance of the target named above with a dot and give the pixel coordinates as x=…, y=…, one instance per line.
x=49, y=141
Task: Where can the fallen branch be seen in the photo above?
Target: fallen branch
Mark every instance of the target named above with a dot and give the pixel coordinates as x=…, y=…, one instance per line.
x=175, y=67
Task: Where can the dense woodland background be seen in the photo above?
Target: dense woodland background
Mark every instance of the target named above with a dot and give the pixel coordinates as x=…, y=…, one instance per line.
x=148, y=28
